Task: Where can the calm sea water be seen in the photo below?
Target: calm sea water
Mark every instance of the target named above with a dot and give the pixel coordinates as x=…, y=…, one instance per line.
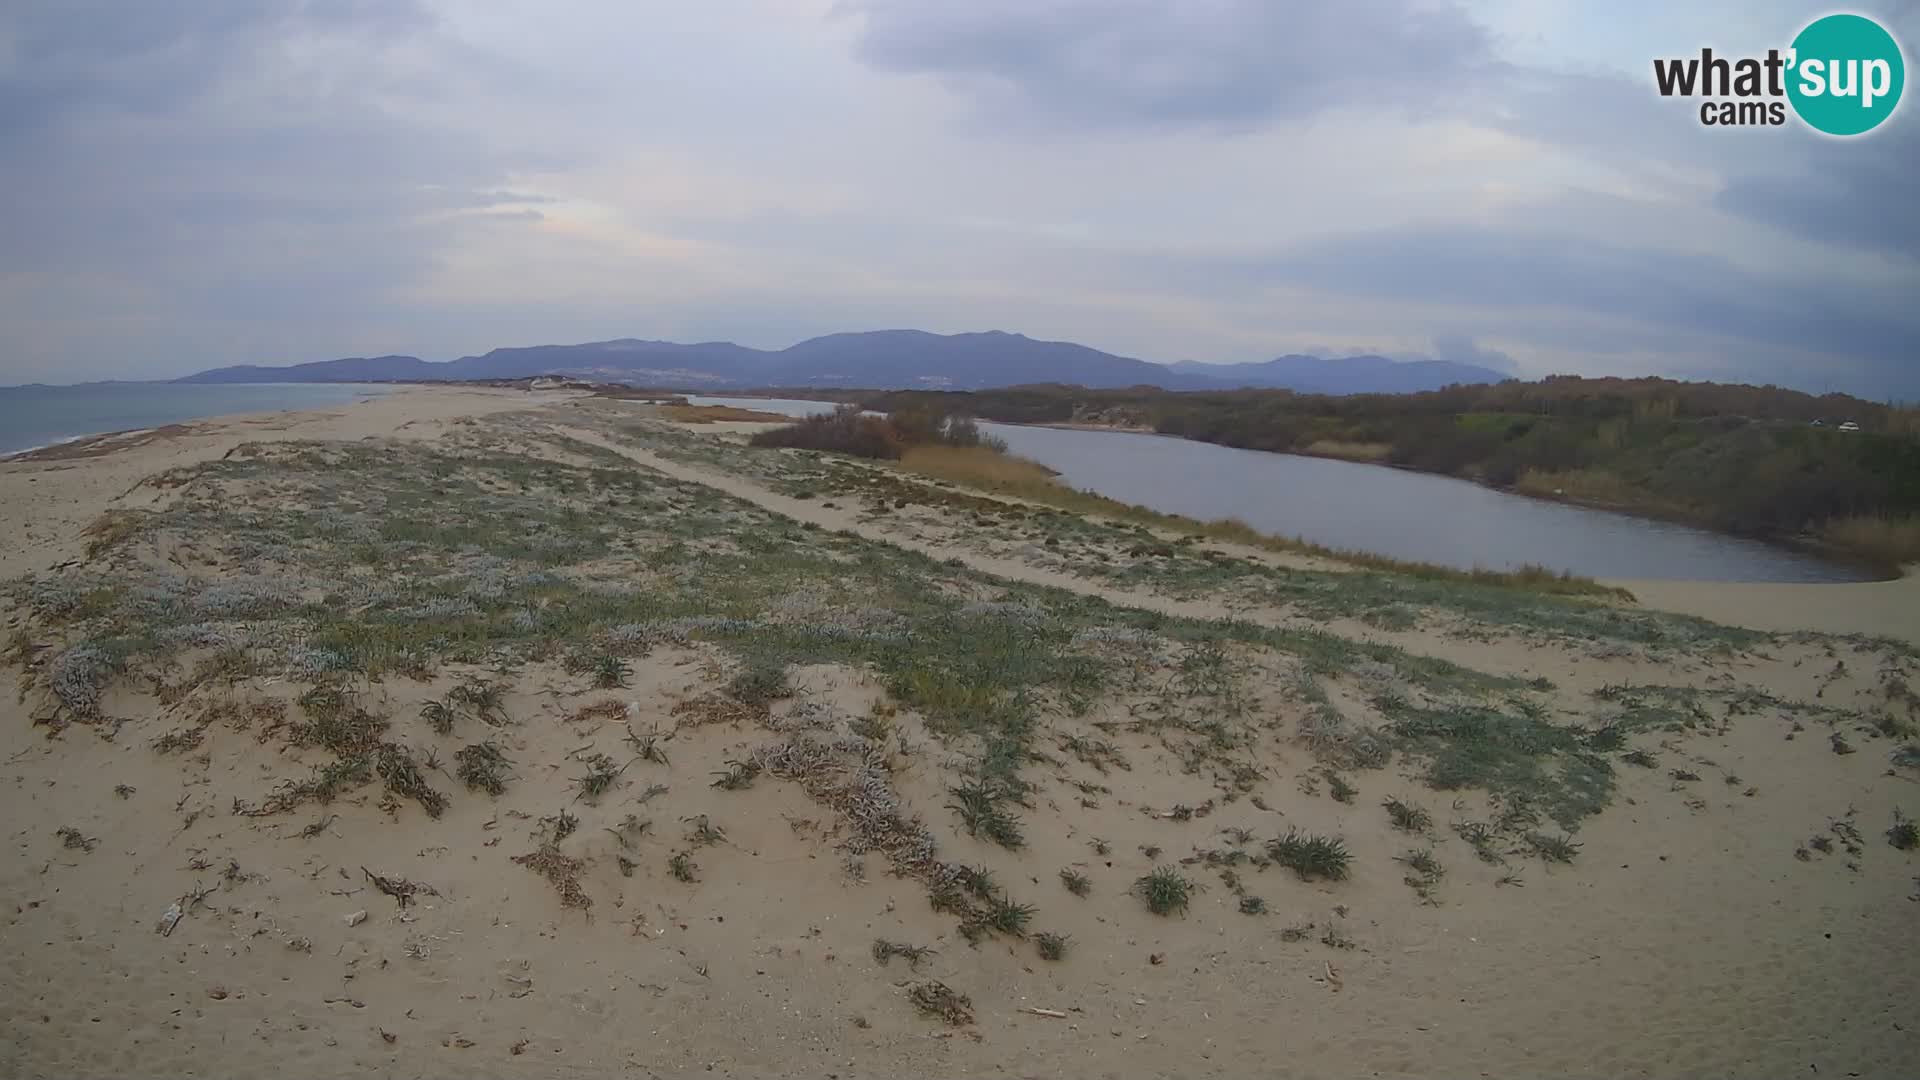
x=1394, y=512
x=32, y=416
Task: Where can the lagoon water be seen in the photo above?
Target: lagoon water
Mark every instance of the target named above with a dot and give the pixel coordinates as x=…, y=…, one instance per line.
x=1386, y=511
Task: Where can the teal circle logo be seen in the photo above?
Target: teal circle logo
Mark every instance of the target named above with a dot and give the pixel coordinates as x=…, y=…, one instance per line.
x=1846, y=75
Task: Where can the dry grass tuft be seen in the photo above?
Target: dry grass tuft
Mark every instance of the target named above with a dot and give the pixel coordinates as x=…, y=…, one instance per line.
x=605, y=710
x=563, y=871
x=483, y=767
x=1889, y=541
x=718, y=709
x=936, y=998
x=111, y=529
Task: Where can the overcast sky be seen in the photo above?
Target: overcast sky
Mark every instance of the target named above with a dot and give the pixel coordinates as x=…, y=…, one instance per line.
x=192, y=183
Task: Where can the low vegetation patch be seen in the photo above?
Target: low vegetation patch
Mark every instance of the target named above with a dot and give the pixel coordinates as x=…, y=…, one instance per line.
x=1512, y=756
x=1407, y=817
x=397, y=768
x=1165, y=890
x=1311, y=856
x=1903, y=833
x=980, y=804
x=562, y=871
x=937, y=999
x=884, y=951
x=483, y=767
x=849, y=430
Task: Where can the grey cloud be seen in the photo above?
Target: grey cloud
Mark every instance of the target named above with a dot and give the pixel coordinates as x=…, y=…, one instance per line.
x=1461, y=349
x=1235, y=64
x=1667, y=301
x=176, y=149
x=1210, y=63
x=150, y=57
x=1856, y=194
x=1496, y=267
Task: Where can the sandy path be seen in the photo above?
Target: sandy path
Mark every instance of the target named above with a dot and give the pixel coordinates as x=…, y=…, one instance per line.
x=839, y=519
x=1509, y=656
x=1883, y=608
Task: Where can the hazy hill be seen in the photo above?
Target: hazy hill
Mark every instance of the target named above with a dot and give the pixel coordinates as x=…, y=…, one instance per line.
x=880, y=359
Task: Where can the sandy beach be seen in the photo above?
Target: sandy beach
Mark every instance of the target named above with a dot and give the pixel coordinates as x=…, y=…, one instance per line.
x=487, y=733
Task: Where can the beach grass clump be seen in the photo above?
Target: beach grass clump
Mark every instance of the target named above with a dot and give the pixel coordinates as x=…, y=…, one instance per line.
x=1551, y=848
x=602, y=773
x=439, y=715
x=483, y=767
x=337, y=722
x=605, y=670
x=1165, y=890
x=979, y=804
x=1311, y=856
x=1407, y=817
x=1337, y=742
x=1426, y=871
x=1004, y=915
x=398, y=770
x=1340, y=789
x=1076, y=882
x=1422, y=861
x=683, y=868
x=884, y=951
x=1903, y=833
x=328, y=782
x=760, y=684
x=484, y=698
x=939, y=1000
x=737, y=776
x=1052, y=947
x=1482, y=838
x=978, y=881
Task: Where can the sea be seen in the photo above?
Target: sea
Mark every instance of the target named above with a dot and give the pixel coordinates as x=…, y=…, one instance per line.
x=35, y=416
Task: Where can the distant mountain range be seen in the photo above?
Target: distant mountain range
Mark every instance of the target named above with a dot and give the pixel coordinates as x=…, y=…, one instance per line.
x=882, y=360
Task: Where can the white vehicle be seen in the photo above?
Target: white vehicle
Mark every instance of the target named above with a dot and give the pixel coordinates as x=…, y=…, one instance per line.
x=1849, y=426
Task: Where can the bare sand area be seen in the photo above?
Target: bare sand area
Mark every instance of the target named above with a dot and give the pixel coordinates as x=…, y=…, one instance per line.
x=481, y=733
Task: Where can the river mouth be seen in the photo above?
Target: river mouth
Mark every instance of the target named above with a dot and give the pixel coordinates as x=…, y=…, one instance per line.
x=1418, y=517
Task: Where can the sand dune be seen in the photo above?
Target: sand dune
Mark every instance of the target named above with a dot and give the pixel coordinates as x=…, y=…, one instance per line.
x=286, y=596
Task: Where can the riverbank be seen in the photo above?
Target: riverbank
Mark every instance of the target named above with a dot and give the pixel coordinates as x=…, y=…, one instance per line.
x=1876, y=548
x=440, y=733
x=1312, y=501
x=1713, y=457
